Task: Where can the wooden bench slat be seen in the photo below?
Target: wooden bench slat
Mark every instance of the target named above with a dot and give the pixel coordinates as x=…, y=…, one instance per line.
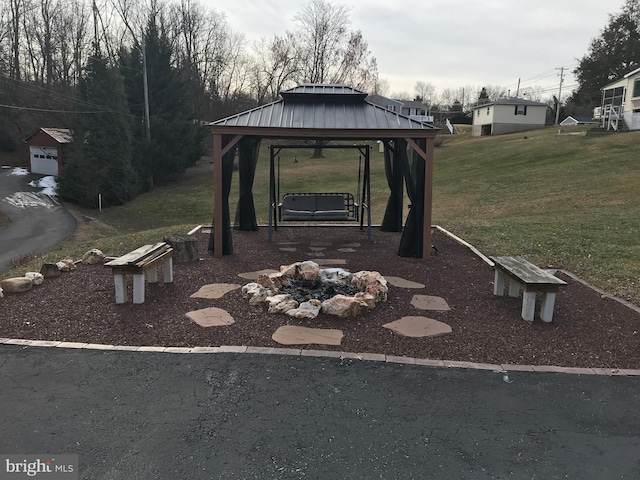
x=138, y=255
x=526, y=272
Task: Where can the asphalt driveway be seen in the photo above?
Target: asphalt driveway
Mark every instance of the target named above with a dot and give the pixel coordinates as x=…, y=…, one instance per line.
x=144, y=415
x=37, y=221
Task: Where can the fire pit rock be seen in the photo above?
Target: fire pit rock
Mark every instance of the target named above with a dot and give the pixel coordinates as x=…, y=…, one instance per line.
x=303, y=289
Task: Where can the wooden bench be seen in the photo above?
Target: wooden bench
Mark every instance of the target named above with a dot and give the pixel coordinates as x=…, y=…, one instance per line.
x=142, y=264
x=316, y=207
x=521, y=274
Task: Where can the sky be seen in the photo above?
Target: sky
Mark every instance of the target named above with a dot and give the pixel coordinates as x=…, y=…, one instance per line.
x=453, y=43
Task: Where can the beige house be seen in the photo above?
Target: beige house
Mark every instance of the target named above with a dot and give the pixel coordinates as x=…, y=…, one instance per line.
x=508, y=115
x=620, y=108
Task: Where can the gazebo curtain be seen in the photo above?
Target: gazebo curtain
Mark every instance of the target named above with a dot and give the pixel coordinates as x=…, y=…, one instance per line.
x=411, y=242
x=227, y=174
x=393, y=166
x=248, y=150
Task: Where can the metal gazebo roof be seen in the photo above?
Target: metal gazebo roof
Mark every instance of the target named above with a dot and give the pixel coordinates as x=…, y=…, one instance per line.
x=337, y=110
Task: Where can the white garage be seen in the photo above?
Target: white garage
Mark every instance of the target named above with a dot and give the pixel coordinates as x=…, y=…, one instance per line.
x=46, y=150
x=44, y=160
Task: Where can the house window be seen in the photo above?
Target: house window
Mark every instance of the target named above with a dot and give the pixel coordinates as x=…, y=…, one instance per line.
x=478, y=113
x=636, y=88
x=488, y=110
x=521, y=109
x=391, y=107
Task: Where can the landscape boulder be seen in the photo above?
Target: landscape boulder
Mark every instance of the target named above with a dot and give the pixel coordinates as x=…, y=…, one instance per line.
x=66, y=265
x=50, y=270
x=35, y=277
x=1, y=294
x=16, y=284
x=93, y=257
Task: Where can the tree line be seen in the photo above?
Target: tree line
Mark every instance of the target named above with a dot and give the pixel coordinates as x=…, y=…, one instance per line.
x=83, y=62
x=95, y=62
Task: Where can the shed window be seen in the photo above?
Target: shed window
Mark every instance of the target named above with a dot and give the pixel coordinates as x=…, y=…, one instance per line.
x=521, y=110
x=488, y=110
x=636, y=88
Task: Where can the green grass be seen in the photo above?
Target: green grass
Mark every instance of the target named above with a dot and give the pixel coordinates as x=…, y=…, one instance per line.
x=569, y=202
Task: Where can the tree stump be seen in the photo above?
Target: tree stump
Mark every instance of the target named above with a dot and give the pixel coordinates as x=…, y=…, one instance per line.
x=185, y=247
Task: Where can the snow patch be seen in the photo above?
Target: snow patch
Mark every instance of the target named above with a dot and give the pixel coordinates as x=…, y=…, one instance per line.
x=30, y=199
x=19, y=171
x=48, y=184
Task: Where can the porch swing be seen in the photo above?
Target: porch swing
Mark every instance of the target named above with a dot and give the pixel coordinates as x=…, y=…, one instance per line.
x=319, y=206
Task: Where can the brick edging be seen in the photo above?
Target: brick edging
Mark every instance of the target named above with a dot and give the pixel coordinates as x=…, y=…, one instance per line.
x=297, y=352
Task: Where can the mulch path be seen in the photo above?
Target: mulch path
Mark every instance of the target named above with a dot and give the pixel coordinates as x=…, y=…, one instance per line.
x=588, y=330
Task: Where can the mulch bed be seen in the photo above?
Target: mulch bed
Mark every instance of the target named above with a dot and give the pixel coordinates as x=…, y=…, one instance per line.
x=588, y=330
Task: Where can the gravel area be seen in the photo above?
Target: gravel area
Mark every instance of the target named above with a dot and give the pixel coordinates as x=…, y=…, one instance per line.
x=588, y=329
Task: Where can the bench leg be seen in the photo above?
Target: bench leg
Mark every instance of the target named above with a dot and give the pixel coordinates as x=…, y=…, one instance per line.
x=514, y=288
x=167, y=270
x=121, y=288
x=138, y=288
x=546, y=309
x=151, y=274
x=528, y=305
x=498, y=283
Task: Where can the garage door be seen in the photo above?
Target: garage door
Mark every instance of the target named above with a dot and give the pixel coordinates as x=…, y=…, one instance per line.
x=44, y=160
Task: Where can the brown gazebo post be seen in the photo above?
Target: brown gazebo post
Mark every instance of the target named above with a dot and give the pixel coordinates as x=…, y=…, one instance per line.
x=217, y=195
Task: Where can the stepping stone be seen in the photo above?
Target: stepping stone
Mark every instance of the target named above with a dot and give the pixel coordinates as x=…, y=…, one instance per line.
x=351, y=245
x=320, y=244
x=329, y=261
x=288, y=249
x=402, y=283
x=255, y=275
x=320, y=254
x=418, y=327
x=211, y=317
x=288, y=243
x=215, y=290
x=427, y=302
x=293, y=335
x=317, y=249
x=346, y=250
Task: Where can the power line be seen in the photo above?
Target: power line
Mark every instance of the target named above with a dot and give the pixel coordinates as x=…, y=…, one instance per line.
x=17, y=107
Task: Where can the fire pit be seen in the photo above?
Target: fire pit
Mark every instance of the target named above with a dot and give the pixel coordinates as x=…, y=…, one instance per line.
x=303, y=289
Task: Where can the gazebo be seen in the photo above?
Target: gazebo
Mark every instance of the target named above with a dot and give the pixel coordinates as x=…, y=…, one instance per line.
x=326, y=112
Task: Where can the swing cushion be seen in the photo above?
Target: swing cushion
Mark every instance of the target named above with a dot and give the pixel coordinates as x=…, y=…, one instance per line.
x=307, y=207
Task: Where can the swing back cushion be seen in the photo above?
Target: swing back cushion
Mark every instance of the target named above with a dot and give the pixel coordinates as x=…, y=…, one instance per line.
x=314, y=207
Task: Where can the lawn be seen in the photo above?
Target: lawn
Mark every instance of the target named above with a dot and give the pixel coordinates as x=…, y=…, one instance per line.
x=569, y=202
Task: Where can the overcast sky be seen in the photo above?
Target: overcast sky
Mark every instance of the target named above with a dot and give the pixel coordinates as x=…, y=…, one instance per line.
x=453, y=43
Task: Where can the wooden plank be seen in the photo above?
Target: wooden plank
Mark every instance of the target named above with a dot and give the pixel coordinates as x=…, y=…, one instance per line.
x=137, y=255
x=526, y=272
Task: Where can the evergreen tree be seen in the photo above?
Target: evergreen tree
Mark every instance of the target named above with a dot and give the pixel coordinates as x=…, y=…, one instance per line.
x=613, y=54
x=99, y=160
x=177, y=141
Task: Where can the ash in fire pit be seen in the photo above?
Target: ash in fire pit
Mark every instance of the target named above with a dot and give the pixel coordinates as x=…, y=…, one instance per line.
x=303, y=289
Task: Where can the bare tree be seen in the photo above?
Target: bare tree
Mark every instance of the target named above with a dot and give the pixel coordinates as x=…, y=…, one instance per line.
x=426, y=91
x=328, y=51
x=274, y=67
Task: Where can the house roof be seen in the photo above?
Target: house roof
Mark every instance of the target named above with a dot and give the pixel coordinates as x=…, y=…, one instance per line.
x=632, y=73
x=621, y=82
x=512, y=101
x=60, y=135
x=578, y=119
x=312, y=107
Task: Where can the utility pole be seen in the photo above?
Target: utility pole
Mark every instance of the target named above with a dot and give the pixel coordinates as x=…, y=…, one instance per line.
x=518, y=90
x=147, y=121
x=559, y=94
